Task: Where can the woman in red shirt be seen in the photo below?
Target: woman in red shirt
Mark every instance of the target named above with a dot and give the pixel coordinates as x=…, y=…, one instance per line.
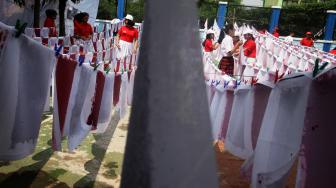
x=127, y=41
x=308, y=40
x=50, y=22
x=249, y=48
x=208, y=45
x=276, y=32
x=82, y=29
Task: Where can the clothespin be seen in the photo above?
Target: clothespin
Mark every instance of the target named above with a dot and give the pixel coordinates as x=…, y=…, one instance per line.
x=58, y=50
x=81, y=59
x=237, y=83
x=226, y=83
x=317, y=68
x=108, y=70
x=212, y=82
x=96, y=67
x=217, y=82
x=19, y=28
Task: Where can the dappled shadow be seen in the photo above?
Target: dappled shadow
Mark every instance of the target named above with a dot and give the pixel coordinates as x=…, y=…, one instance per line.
x=112, y=168
x=99, y=149
x=26, y=175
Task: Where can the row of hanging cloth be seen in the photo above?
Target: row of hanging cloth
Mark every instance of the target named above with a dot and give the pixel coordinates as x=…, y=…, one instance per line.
x=273, y=126
x=84, y=95
x=275, y=58
x=84, y=99
x=273, y=122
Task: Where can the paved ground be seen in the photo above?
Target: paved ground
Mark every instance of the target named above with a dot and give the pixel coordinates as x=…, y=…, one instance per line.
x=96, y=163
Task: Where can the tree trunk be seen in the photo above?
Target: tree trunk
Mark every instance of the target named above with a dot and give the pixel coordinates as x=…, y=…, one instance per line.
x=61, y=8
x=37, y=7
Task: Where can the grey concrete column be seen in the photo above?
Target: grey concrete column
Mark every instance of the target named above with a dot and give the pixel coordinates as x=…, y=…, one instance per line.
x=169, y=138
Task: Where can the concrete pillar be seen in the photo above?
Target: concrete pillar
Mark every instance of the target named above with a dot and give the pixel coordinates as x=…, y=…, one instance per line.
x=169, y=135
x=221, y=14
x=121, y=9
x=329, y=28
x=274, y=22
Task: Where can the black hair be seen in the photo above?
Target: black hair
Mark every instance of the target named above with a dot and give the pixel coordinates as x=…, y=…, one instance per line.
x=227, y=28
x=80, y=16
x=130, y=23
x=51, y=13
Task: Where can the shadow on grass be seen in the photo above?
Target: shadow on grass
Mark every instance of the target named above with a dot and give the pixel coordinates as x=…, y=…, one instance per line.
x=99, y=149
x=25, y=176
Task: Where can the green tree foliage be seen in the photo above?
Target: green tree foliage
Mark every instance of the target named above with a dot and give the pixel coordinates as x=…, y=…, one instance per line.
x=136, y=9
x=305, y=17
x=107, y=10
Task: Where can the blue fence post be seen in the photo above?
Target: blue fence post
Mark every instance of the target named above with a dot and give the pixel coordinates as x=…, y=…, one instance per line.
x=121, y=9
x=221, y=14
x=329, y=29
x=274, y=18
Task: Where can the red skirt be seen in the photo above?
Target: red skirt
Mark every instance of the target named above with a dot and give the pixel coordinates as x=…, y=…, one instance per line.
x=227, y=65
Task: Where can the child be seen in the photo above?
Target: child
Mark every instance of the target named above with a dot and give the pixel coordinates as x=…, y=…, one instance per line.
x=50, y=22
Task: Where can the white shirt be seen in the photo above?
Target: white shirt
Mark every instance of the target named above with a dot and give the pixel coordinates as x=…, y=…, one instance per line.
x=226, y=46
x=289, y=39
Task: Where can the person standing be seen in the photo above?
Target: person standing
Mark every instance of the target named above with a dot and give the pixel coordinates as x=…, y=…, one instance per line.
x=127, y=40
x=82, y=29
x=227, y=49
x=208, y=44
x=249, y=47
x=49, y=22
x=276, y=32
x=250, y=52
x=308, y=40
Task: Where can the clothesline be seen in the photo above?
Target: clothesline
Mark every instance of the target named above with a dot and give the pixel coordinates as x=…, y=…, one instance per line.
x=268, y=122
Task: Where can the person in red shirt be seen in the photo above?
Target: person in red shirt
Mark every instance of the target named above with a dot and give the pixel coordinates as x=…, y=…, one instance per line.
x=308, y=40
x=50, y=22
x=249, y=46
x=276, y=32
x=82, y=29
x=333, y=51
x=208, y=42
x=127, y=40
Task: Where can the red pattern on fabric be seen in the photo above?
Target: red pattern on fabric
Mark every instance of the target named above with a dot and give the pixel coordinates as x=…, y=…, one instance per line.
x=116, y=89
x=37, y=32
x=3, y=37
x=64, y=74
x=93, y=117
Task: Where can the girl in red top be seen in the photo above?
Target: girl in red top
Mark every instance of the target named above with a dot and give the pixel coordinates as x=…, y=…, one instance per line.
x=208, y=42
x=50, y=22
x=249, y=48
x=308, y=40
x=127, y=41
x=276, y=32
x=82, y=29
